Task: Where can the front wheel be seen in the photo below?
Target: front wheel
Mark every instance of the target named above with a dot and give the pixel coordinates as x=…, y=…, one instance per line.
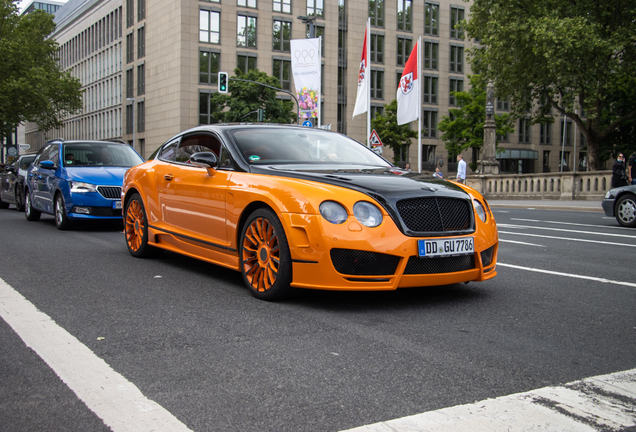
x=136, y=229
x=61, y=218
x=264, y=256
x=626, y=211
x=30, y=213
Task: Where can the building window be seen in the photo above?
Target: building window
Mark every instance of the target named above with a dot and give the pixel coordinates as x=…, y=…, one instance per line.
x=429, y=124
x=377, y=84
x=141, y=42
x=403, y=50
x=524, y=130
x=129, y=118
x=130, y=48
x=430, y=90
x=318, y=31
x=546, y=161
x=209, y=26
x=377, y=110
x=503, y=138
x=431, y=54
x=247, y=3
x=130, y=13
x=141, y=116
x=282, y=6
x=456, y=85
x=282, y=71
x=246, y=31
x=209, y=67
x=457, y=59
x=431, y=19
x=129, y=83
x=404, y=15
x=503, y=105
x=376, y=12
x=245, y=63
x=564, y=160
x=568, y=132
x=281, y=36
x=141, y=10
x=206, y=109
x=315, y=8
x=457, y=16
x=141, y=79
x=398, y=76
x=545, y=133
x=377, y=48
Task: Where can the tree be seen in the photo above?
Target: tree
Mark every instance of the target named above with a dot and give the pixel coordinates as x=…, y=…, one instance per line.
x=555, y=57
x=32, y=86
x=398, y=137
x=464, y=128
x=247, y=98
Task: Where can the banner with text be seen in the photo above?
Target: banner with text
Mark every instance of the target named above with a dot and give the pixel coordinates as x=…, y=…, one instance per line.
x=305, y=66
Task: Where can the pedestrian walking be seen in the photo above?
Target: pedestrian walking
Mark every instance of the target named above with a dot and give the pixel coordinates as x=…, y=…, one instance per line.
x=461, y=169
x=619, y=176
x=631, y=169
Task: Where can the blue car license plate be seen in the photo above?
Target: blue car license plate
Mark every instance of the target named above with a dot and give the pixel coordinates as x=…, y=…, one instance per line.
x=117, y=205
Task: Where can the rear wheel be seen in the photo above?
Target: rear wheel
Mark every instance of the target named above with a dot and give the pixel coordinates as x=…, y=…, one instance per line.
x=626, y=211
x=136, y=229
x=30, y=213
x=61, y=218
x=264, y=256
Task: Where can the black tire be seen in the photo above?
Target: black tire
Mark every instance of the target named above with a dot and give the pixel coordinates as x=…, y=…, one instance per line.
x=62, y=221
x=19, y=199
x=136, y=229
x=264, y=256
x=626, y=211
x=30, y=213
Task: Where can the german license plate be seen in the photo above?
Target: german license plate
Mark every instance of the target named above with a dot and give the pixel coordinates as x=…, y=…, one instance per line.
x=117, y=205
x=445, y=247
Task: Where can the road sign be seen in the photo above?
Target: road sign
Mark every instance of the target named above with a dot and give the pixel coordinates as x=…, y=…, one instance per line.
x=308, y=123
x=374, y=139
x=24, y=146
x=11, y=151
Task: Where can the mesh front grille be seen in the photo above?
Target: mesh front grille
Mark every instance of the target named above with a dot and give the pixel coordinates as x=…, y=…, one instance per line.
x=439, y=265
x=435, y=214
x=363, y=263
x=110, y=192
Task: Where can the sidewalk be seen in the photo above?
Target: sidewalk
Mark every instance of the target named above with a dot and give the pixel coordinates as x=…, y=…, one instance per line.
x=588, y=206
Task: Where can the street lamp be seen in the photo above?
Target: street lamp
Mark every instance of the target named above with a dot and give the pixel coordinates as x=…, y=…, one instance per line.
x=133, y=120
x=309, y=20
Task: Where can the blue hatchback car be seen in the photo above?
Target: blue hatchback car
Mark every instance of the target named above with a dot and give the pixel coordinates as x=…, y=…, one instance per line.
x=78, y=180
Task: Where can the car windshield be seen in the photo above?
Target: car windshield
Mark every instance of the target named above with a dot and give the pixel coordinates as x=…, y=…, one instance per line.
x=100, y=154
x=292, y=146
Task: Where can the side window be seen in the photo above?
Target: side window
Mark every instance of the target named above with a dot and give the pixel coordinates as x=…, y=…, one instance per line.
x=225, y=161
x=195, y=144
x=169, y=150
x=44, y=155
x=54, y=154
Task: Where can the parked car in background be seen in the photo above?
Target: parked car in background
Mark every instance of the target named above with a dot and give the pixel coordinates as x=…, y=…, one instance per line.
x=12, y=182
x=298, y=207
x=78, y=180
x=620, y=202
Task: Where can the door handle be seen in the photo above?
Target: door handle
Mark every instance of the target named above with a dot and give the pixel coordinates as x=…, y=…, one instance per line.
x=168, y=177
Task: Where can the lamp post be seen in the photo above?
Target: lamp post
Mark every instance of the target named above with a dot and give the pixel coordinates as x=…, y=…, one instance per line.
x=133, y=120
x=308, y=20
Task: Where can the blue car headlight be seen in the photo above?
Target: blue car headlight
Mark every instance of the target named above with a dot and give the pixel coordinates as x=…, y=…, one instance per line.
x=333, y=212
x=79, y=187
x=367, y=214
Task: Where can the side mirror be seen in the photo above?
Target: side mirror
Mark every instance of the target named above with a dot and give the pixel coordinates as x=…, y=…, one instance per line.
x=206, y=160
x=47, y=164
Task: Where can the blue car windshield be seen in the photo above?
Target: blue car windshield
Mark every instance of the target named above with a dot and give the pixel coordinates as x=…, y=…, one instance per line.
x=292, y=146
x=100, y=154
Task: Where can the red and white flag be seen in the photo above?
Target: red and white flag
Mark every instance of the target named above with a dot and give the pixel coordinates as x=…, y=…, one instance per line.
x=409, y=90
x=362, y=102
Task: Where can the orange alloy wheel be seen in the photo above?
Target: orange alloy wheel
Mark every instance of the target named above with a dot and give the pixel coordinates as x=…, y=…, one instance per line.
x=135, y=225
x=261, y=254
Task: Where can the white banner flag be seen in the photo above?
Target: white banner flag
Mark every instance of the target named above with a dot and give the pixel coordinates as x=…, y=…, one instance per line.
x=408, y=108
x=305, y=64
x=362, y=102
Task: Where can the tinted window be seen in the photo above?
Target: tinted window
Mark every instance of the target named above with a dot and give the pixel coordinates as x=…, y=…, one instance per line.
x=169, y=150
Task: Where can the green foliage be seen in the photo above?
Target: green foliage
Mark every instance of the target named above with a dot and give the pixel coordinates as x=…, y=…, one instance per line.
x=554, y=57
x=246, y=98
x=464, y=128
x=398, y=137
x=32, y=86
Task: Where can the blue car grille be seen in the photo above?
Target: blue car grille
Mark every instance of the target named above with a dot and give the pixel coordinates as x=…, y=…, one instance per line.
x=109, y=192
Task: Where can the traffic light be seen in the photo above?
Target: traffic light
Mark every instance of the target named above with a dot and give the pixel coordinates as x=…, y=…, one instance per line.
x=223, y=82
x=261, y=114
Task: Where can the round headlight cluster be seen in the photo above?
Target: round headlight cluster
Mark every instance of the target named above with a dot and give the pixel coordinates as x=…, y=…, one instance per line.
x=366, y=213
x=479, y=209
x=333, y=212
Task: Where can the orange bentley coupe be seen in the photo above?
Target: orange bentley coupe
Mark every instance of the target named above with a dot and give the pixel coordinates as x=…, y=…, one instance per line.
x=295, y=207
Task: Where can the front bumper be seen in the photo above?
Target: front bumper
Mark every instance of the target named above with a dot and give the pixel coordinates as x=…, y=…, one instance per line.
x=608, y=206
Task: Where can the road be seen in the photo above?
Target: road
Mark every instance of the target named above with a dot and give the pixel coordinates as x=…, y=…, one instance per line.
x=190, y=338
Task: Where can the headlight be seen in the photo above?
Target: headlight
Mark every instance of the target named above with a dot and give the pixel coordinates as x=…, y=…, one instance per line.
x=367, y=214
x=333, y=212
x=608, y=195
x=479, y=209
x=79, y=187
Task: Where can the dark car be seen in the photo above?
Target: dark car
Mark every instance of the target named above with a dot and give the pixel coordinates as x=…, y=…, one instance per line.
x=78, y=180
x=12, y=182
x=620, y=202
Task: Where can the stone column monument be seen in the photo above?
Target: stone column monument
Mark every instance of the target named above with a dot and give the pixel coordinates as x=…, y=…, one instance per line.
x=488, y=164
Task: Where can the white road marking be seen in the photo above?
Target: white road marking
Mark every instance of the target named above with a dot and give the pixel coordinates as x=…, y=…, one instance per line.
x=567, y=238
x=591, y=278
x=576, y=224
x=519, y=242
x=566, y=230
x=600, y=403
x=117, y=401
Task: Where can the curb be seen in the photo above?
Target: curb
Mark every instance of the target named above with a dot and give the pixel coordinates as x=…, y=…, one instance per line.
x=546, y=207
